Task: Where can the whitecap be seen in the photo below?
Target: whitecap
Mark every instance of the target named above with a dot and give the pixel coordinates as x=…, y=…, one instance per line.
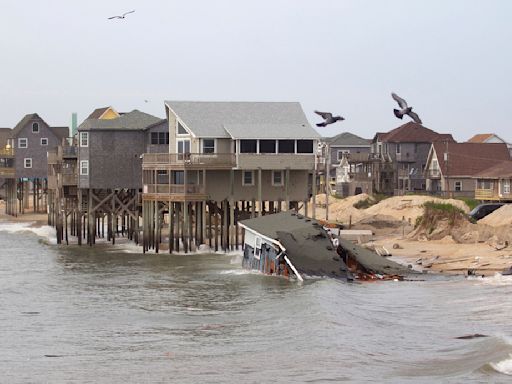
x=503, y=366
x=45, y=231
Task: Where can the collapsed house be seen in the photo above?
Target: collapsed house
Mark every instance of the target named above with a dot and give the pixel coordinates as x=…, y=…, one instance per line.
x=293, y=245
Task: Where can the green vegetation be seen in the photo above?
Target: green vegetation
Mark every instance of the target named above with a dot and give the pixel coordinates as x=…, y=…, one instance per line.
x=471, y=203
x=433, y=213
x=372, y=200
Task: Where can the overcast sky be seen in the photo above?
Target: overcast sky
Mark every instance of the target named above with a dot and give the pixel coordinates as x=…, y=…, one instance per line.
x=451, y=60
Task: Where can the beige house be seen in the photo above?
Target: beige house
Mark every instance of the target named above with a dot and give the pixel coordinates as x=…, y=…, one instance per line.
x=494, y=183
x=451, y=167
x=231, y=159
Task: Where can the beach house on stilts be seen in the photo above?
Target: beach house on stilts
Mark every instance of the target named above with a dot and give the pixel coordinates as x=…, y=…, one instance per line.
x=225, y=161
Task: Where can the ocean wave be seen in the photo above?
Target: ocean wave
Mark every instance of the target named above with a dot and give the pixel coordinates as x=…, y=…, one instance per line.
x=503, y=366
x=497, y=279
x=45, y=231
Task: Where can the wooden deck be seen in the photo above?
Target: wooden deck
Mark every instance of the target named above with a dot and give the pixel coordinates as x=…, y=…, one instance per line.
x=166, y=161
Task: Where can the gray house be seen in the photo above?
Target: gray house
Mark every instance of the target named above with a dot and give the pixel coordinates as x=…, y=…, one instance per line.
x=29, y=142
x=235, y=158
x=97, y=177
x=402, y=154
x=110, y=150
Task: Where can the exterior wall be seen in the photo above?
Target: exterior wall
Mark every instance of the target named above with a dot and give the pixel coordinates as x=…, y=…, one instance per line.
x=34, y=150
x=278, y=161
x=410, y=163
x=114, y=159
x=218, y=186
x=222, y=146
x=156, y=148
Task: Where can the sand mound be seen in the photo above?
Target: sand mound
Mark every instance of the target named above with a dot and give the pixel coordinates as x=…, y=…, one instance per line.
x=342, y=210
x=408, y=207
x=501, y=216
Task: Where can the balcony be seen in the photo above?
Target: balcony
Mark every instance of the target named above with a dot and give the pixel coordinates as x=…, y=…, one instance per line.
x=406, y=157
x=188, y=160
x=7, y=153
x=485, y=194
x=174, y=192
x=69, y=152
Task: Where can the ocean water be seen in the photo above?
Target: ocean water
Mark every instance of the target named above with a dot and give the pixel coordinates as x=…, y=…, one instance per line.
x=72, y=314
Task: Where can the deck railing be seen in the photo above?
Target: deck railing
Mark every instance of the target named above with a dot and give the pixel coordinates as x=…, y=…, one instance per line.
x=192, y=159
x=484, y=194
x=6, y=152
x=174, y=189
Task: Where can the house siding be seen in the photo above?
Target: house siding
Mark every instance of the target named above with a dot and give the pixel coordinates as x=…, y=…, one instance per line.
x=34, y=150
x=114, y=159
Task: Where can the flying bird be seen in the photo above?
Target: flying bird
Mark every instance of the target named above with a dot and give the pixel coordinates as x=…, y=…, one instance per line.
x=328, y=118
x=120, y=17
x=405, y=109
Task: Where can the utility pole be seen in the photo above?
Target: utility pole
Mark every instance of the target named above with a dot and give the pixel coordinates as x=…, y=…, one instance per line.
x=327, y=180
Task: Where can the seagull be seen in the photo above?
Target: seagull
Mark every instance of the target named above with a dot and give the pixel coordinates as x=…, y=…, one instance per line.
x=328, y=118
x=406, y=110
x=120, y=17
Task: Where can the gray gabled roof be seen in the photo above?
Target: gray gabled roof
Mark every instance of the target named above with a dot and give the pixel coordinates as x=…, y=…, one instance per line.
x=220, y=119
x=133, y=121
x=60, y=132
x=270, y=131
x=347, y=138
x=269, y=225
x=23, y=122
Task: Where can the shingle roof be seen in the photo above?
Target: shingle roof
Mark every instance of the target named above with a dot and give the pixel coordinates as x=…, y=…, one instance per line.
x=347, y=138
x=134, y=120
x=497, y=171
x=96, y=114
x=23, y=122
x=480, y=138
x=270, y=131
x=468, y=159
x=209, y=119
x=413, y=133
x=60, y=132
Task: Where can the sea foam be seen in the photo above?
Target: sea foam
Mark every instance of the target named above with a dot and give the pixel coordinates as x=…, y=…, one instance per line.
x=503, y=366
x=45, y=231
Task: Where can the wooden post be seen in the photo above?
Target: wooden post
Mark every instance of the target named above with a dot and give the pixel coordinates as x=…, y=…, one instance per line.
x=260, y=201
x=287, y=188
x=79, y=221
x=171, y=226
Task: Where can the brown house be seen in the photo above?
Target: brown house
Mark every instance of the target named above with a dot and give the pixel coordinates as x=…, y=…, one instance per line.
x=451, y=167
x=494, y=183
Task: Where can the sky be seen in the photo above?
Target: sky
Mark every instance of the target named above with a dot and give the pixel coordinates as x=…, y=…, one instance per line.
x=451, y=60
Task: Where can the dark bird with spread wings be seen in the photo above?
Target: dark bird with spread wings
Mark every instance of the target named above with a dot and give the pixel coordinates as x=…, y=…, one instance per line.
x=328, y=118
x=120, y=17
x=405, y=109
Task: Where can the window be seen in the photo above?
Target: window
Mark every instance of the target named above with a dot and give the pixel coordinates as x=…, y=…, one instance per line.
x=28, y=162
x=178, y=177
x=44, y=141
x=304, y=146
x=277, y=178
x=398, y=148
x=458, y=186
x=257, y=247
x=247, y=146
x=248, y=178
x=341, y=152
x=22, y=143
x=35, y=127
x=84, y=167
x=159, y=138
x=506, y=186
x=208, y=145
x=181, y=129
x=267, y=146
x=84, y=139
x=286, y=146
